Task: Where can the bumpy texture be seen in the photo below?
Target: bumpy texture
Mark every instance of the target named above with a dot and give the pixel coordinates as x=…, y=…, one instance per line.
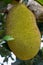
x=21, y=25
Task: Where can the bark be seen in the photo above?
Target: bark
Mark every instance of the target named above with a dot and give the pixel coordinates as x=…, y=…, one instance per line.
x=36, y=8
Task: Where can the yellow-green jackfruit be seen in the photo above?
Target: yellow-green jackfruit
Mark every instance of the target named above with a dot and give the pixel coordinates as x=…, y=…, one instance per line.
x=21, y=25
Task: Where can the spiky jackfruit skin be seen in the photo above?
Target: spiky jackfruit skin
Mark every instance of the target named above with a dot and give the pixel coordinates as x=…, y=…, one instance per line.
x=21, y=25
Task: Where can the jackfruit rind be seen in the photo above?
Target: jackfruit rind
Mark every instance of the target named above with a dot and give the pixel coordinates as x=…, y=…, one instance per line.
x=21, y=25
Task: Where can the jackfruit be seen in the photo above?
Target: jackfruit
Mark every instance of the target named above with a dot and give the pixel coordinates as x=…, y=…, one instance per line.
x=21, y=25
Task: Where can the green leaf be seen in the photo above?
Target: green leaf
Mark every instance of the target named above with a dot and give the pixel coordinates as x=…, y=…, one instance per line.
x=6, y=1
x=40, y=1
x=8, y=38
